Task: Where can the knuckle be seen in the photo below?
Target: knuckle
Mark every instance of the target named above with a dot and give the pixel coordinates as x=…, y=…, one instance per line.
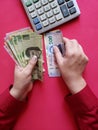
x=85, y=59
x=72, y=54
x=74, y=41
x=26, y=73
x=32, y=63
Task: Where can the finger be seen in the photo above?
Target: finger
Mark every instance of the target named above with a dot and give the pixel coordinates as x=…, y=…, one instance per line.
x=68, y=42
x=82, y=51
x=65, y=39
x=43, y=61
x=18, y=68
x=29, y=68
x=43, y=70
x=57, y=54
x=69, y=46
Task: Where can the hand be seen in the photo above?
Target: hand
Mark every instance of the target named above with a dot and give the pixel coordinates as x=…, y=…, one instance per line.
x=22, y=80
x=72, y=65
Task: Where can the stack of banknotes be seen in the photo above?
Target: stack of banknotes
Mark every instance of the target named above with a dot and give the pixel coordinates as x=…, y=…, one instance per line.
x=22, y=45
x=53, y=38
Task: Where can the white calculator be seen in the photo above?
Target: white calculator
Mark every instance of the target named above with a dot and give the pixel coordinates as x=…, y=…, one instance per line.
x=47, y=14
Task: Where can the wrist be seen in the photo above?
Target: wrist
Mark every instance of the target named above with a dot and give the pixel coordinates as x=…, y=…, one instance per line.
x=76, y=85
x=18, y=94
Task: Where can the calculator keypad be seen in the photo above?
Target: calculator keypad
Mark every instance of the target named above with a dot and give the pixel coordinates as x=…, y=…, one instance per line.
x=46, y=14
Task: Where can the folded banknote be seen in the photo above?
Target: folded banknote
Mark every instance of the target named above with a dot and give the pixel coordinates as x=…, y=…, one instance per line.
x=53, y=38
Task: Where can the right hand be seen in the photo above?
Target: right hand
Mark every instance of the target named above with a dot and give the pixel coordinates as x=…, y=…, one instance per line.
x=72, y=65
x=23, y=80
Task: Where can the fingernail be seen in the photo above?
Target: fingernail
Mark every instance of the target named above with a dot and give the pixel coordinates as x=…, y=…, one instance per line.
x=34, y=58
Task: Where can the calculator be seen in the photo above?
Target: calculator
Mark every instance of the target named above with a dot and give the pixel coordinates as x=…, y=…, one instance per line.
x=44, y=15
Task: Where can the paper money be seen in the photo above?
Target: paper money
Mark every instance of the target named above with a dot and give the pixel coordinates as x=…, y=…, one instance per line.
x=53, y=38
x=22, y=45
x=33, y=48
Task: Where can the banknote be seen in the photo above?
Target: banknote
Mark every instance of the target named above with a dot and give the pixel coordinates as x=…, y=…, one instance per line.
x=12, y=49
x=15, y=38
x=6, y=47
x=22, y=45
x=53, y=38
x=33, y=48
x=27, y=29
x=18, y=44
x=10, y=43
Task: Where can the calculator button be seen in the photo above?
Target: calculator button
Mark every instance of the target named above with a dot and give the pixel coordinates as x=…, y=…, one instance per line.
x=67, y=0
x=44, y=2
x=59, y=17
x=45, y=23
x=70, y=4
x=54, y=4
x=31, y=8
x=28, y=3
x=43, y=17
x=72, y=10
x=49, y=14
x=38, y=5
x=52, y=20
x=64, y=10
x=36, y=20
x=33, y=14
x=47, y=8
x=50, y=0
x=40, y=11
x=38, y=26
x=34, y=1
x=61, y=2
x=56, y=10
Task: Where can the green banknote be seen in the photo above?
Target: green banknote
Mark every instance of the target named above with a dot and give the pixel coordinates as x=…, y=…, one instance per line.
x=32, y=45
x=22, y=45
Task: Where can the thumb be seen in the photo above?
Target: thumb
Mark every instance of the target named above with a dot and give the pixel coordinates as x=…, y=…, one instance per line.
x=29, y=68
x=58, y=55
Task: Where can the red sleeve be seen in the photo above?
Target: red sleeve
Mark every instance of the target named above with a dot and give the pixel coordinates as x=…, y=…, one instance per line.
x=85, y=108
x=9, y=110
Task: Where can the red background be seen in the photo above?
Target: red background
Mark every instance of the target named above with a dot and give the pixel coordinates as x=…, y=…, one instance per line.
x=46, y=109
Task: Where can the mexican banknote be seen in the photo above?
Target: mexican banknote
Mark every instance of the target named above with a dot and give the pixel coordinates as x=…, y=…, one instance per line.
x=22, y=45
x=53, y=38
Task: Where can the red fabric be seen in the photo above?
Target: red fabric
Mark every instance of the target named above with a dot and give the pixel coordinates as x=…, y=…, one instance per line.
x=9, y=110
x=85, y=108
x=83, y=104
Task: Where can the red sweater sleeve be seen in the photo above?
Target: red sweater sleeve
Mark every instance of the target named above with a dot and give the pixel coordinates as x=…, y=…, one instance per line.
x=9, y=110
x=85, y=108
